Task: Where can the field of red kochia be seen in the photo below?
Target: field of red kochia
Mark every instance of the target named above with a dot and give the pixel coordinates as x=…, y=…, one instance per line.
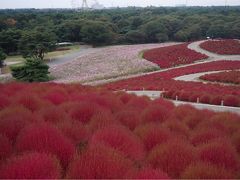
x=232, y=77
x=186, y=91
x=171, y=56
x=226, y=46
x=73, y=131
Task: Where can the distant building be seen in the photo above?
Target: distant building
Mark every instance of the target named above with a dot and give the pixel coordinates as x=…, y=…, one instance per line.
x=181, y=5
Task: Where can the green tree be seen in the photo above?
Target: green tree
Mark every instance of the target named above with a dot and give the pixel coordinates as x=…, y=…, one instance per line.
x=34, y=70
x=153, y=28
x=36, y=43
x=135, y=36
x=97, y=33
x=3, y=56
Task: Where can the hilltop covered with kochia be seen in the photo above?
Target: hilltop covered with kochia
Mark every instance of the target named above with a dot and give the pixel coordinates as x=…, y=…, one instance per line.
x=117, y=26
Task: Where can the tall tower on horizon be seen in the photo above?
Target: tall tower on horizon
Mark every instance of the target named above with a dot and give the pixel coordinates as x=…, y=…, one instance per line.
x=84, y=4
x=77, y=4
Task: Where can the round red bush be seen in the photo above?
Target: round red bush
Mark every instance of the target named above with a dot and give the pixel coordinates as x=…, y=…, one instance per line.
x=84, y=111
x=5, y=147
x=231, y=100
x=149, y=173
x=31, y=166
x=128, y=118
x=155, y=113
x=152, y=135
x=99, y=162
x=121, y=139
x=172, y=157
x=45, y=138
x=203, y=170
x=220, y=153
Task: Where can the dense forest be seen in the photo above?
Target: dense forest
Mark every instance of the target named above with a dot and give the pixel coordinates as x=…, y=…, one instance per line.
x=23, y=29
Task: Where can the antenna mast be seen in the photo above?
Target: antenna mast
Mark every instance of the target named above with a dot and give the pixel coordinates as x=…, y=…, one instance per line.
x=84, y=4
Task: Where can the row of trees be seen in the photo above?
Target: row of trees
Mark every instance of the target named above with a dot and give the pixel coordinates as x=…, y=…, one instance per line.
x=115, y=26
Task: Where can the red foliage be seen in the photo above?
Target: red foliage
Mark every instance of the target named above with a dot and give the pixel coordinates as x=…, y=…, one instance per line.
x=149, y=173
x=31, y=166
x=226, y=46
x=172, y=157
x=45, y=138
x=221, y=154
x=129, y=118
x=204, y=136
x=84, y=111
x=4, y=101
x=121, y=139
x=101, y=120
x=155, y=113
x=223, y=77
x=202, y=170
x=99, y=162
x=171, y=56
x=6, y=147
x=153, y=134
x=231, y=100
x=163, y=80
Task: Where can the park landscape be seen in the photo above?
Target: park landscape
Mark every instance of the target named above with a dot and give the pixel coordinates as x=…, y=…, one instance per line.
x=89, y=122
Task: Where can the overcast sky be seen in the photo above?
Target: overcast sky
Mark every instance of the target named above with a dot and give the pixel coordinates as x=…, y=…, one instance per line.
x=107, y=3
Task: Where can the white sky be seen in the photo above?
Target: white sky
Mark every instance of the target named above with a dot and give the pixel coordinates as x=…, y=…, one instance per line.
x=107, y=3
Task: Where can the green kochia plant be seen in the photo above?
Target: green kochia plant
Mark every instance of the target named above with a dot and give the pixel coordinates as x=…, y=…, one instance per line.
x=34, y=70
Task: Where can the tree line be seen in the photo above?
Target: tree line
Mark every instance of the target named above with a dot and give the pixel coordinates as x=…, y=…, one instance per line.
x=39, y=30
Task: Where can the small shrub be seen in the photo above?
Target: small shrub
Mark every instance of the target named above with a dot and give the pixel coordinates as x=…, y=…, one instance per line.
x=43, y=137
x=34, y=70
x=203, y=170
x=31, y=166
x=172, y=157
x=121, y=139
x=99, y=162
x=6, y=147
x=149, y=173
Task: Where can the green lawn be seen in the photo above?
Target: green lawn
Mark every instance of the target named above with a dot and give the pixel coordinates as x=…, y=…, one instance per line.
x=19, y=59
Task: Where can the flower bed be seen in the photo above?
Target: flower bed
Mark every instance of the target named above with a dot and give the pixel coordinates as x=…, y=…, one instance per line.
x=232, y=77
x=172, y=56
x=223, y=47
x=163, y=81
x=105, y=63
x=70, y=131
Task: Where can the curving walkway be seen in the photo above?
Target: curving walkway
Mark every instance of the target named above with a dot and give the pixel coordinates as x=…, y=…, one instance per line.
x=212, y=56
x=157, y=94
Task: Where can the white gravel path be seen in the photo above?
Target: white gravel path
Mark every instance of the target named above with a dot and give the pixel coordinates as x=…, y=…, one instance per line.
x=212, y=56
x=194, y=77
x=157, y=94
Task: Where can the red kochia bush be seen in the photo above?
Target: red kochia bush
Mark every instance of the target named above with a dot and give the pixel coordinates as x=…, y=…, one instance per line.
x=128, y=118
x=43, y=137
x=220, y=153
x=121, y=139
x=5, y=147
x=99, y=162
x=155, y=113
x=149, y=173
x=171, y=56
x=231, y=100
x=84, y=111
x=153, y=134
x=225, y=46
x=172, y=157
x=203, y=170
x=31, y=166
x=4, y=101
